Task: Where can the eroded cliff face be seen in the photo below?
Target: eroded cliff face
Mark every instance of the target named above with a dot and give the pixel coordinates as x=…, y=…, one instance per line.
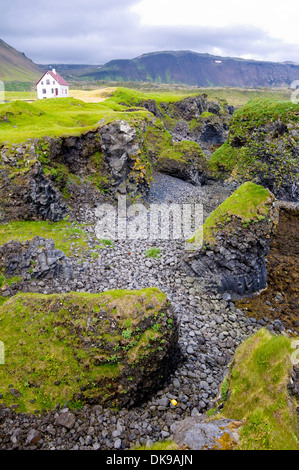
x=195, y=118
x=34, y=259
x=29, y=194
x=37, y=178
x=201, y=120
x=280, y=300
x=232, y=258
x=110, y=157
x=262, y=145
x=41, y=178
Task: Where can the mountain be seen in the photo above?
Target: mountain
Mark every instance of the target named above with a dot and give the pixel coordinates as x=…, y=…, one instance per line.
x=70, y=71
x=192, y=68
x=15, y=66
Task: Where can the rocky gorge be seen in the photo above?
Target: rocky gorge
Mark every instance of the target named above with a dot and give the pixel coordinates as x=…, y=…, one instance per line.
x=210, y=322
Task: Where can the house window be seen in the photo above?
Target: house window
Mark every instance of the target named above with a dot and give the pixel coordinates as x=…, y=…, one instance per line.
x=44, y=91
x=42, y=83
x=52, y=91
x=53, y=82
x=47, y=82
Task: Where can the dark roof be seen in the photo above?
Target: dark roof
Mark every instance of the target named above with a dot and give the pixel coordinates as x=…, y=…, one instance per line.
x=56, y=77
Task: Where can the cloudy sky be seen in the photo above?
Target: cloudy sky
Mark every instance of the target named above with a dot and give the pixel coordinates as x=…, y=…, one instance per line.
x=96, y=31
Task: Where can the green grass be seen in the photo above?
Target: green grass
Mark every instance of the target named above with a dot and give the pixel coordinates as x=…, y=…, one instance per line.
x=66, y=236
x=258, y=393
x=9, y=281
x=104, y=243
x=59, y=345
x=56, y=118
x=20, y=95
x=161, y=445
x=261, y=110
x=141, y=91
x=20, y=120
x=135, y=98
x=153, y=252
x=184, y=151
x=248, y=203
x=248, y=150
x=240, y=96
x=171, y=93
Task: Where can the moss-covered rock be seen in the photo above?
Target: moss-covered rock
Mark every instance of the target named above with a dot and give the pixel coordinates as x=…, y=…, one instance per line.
x=112, y=348
x=230, y=248
x=183, y=160
x=196, y=118
x=258, y=393
x=262, y=146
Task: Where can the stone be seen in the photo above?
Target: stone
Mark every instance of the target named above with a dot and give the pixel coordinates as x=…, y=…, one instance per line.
x=117, y=444
x=15, y=392
x=163, y=401
x=197, y=433
x=66, y=419
x=33, y=436
x=27, y=259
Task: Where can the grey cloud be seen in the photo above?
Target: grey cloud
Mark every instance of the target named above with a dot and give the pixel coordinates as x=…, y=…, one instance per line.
x=97, y=31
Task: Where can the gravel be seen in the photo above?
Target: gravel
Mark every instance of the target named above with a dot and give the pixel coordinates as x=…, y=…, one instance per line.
x=211, y=328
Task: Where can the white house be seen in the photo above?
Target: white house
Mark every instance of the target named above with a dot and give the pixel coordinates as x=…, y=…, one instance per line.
x=52, y=85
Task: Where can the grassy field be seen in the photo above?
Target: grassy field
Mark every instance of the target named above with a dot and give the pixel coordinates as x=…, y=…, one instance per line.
x=67, y=237
x=20, y=95
x=20, y=120
x=240, y=96
x=234, y=96
x=55, y=118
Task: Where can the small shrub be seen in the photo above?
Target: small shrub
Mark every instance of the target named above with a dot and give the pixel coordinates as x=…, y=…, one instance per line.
x=106, y=242
x=153, y=252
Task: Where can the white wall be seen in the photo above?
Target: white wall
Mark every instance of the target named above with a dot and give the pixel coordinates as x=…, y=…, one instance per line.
x=47, y=87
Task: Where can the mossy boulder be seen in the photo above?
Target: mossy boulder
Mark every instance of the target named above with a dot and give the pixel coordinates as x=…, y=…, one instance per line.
x=184, y=160
x=260, y=391
x=229, y=250
x=262, y=146
x=113, y=348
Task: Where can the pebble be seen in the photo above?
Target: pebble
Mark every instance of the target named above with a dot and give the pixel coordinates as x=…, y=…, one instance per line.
x=210, y=328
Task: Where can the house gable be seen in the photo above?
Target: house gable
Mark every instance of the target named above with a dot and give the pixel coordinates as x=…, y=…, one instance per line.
x=52, y=85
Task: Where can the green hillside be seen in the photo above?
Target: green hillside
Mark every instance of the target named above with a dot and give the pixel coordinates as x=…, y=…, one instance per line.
x=15, y=66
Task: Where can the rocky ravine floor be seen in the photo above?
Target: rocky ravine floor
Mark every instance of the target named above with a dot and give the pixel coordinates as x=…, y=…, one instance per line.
x=211, y=327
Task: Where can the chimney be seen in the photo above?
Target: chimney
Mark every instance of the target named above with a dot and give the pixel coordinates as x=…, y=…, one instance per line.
x=54, y=71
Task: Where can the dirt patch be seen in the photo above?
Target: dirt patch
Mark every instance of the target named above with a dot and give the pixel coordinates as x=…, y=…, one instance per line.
x=93, y=96
x=280, y=300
